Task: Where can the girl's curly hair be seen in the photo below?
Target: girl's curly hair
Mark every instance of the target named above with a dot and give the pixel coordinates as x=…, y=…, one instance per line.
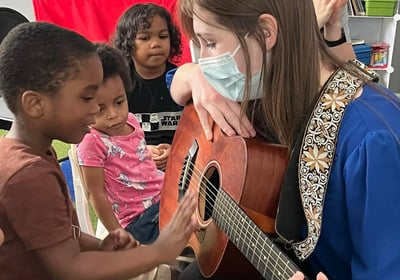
x=137, y=18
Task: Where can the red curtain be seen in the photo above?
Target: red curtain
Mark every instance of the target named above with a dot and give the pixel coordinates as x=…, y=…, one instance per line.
x=95, y=19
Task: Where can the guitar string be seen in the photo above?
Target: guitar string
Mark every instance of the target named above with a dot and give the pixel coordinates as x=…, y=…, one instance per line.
x=214, y=191
x=276, y=255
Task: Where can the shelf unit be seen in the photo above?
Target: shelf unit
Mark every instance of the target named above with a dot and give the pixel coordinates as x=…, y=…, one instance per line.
x=377, y=29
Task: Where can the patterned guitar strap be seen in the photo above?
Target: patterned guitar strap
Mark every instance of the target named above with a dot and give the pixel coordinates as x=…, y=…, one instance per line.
x=316, y=154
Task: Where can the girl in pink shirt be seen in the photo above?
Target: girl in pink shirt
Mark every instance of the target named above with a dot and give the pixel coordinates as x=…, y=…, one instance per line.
x=122, y=180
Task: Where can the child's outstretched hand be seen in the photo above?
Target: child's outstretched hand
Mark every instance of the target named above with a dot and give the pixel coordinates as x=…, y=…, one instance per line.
x=118, y=239
x=175, y=235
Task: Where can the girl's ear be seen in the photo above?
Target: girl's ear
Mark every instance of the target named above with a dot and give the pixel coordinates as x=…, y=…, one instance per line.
x=32, y=103
x=270, y=27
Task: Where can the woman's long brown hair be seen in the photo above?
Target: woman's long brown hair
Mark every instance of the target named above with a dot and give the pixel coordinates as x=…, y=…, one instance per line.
x=291, y=82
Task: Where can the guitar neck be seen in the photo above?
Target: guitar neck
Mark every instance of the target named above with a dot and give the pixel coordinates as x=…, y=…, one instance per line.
x=254, y=244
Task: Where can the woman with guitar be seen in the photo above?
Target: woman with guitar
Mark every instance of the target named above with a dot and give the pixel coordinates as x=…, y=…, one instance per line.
x=342, y=129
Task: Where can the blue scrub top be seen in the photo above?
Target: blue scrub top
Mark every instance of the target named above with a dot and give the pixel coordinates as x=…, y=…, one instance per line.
x=360, y=236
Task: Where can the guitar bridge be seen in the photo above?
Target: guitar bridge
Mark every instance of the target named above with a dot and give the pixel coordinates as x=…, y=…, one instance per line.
x=187, y=170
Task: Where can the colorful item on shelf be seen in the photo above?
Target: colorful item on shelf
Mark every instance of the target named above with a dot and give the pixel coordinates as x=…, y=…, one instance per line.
x=379, y=55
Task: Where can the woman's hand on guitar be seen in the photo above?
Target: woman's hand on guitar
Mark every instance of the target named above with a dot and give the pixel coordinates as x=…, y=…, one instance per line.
x=174, y=236
x=225, y=112
x=300, y=276
x=208, y=102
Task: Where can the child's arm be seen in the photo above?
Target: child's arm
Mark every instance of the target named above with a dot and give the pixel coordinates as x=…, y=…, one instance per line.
x=65, y=260
x=88, y=242
x=116, y=240
x=94, y=180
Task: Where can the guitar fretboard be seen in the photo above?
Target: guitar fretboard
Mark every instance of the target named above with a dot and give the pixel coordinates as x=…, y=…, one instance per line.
x=254, y=244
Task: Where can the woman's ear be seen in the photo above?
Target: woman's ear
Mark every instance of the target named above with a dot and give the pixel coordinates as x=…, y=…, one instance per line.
x=32, y=103
x=270, y=27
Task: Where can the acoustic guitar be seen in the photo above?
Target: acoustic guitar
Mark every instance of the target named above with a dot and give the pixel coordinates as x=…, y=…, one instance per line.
x=238, y=182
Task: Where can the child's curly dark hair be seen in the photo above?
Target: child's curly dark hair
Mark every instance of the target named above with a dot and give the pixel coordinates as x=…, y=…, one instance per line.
x=114, y=64
x=137, y=18
x=39, y=56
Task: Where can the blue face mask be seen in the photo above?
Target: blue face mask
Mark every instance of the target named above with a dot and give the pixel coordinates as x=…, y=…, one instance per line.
x=224, y=76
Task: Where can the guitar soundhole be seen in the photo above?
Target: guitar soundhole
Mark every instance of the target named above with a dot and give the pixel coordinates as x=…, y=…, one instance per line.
x=208, y=191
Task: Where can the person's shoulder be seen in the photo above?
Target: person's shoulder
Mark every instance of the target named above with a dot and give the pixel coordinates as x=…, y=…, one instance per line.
x=14, y=151
x=378, y=97
x=23, y=164
x=377, y=109
x=170, y=73
x=377, y=88
x=93, y=133
x=90, y=140
x=133, y=121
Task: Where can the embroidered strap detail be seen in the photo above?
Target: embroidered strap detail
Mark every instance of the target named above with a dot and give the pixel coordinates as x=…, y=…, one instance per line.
x=318, y=147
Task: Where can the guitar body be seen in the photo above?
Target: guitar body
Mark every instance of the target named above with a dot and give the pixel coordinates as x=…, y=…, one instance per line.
x=248, y=170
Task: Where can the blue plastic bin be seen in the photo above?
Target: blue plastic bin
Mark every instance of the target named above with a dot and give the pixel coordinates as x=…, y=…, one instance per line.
x=363, y=53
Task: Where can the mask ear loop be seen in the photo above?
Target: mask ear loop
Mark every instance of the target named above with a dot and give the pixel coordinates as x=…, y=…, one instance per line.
x=239, y=46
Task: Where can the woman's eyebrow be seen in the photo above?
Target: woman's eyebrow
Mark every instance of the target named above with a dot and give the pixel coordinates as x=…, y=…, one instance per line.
x=208, y=37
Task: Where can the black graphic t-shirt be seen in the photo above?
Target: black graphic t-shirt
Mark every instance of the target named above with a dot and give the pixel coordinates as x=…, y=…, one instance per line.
x=153, y=107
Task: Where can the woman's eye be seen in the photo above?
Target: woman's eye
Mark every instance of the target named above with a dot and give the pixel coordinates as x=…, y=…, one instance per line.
x=87, y=98
x=210, y=45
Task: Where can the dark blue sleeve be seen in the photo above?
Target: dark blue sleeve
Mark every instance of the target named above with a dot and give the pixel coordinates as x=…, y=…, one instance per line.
x=169, y=76
x=372, y=175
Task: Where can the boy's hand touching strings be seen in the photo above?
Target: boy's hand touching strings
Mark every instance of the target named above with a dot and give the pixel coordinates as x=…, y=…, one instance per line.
x=175, y=235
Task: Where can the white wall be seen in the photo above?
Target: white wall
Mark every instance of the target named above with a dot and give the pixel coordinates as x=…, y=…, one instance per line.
x=25, y=7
